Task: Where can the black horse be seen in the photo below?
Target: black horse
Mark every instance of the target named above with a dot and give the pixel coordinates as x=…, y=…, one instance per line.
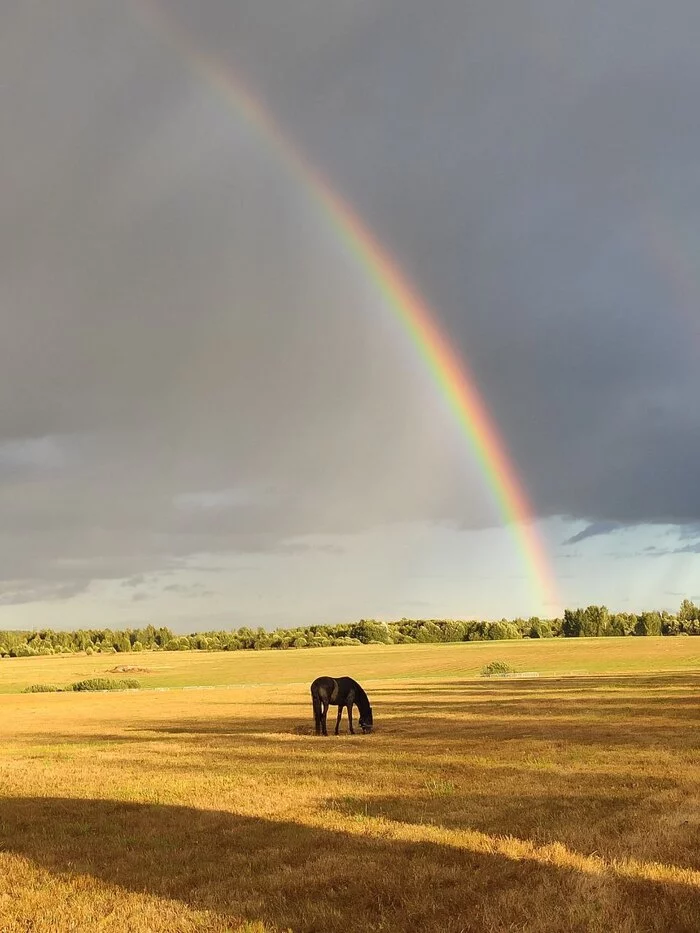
x=341, y=692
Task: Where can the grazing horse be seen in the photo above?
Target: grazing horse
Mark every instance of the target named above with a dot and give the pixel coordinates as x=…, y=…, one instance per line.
x=341, y=692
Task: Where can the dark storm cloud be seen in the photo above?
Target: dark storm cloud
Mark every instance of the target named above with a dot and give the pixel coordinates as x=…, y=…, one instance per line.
x=16, y=592
x=534, y=166
x=592, y=531
x=191, y=364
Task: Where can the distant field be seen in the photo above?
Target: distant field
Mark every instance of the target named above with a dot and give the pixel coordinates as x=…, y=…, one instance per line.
x=568, y=802
x=463, y=659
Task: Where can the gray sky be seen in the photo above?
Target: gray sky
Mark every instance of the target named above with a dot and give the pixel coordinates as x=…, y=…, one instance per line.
x=208, y=414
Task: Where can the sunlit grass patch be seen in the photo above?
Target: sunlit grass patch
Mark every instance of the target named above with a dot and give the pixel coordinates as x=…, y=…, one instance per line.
x=438, y=787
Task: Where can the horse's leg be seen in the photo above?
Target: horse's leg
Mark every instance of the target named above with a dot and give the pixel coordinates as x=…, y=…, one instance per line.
x=324, y=714
x=352, y=731
x=340, y=716
x=317, y=713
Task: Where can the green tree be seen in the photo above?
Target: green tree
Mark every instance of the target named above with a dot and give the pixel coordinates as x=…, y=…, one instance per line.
x=592, y=621
x=367, y=630
x=454, y=630
x=622, y=623
x=648, y=623
x=539, y=628
x=497, y=631
x=572, y=626
x=688, y=612
x=596, y=621
x=163, y=636
x=121, y=641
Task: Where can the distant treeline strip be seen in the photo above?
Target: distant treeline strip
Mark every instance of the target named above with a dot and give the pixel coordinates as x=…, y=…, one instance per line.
x=593, y=621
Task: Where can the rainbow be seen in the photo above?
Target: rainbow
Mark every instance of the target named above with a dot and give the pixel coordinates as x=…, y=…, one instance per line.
x=449, y=372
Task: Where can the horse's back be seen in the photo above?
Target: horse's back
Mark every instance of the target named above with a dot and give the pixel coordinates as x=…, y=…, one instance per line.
x=341, y=681
x=346, y=684
x=334, y=689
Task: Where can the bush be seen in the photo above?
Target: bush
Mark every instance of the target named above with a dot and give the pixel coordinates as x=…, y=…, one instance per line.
x=43, y=688
x=178, y=644
x=22, y=651
x=370, y=631
x=104, y=683
x=496, y=667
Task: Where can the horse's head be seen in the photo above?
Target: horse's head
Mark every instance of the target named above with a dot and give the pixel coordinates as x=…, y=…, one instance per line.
x=366, y=721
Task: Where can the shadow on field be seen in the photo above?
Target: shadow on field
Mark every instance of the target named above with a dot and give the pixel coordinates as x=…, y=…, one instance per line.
x=644, y=710
x=602, y=688
x=293, y=876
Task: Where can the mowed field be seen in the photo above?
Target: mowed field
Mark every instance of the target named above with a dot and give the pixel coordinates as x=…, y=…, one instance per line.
x=564, y=802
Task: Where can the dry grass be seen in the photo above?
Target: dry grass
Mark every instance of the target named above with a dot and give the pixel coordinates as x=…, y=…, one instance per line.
x=551, y=804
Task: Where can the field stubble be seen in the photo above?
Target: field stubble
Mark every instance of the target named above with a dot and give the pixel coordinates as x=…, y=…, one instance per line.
x=558, y=803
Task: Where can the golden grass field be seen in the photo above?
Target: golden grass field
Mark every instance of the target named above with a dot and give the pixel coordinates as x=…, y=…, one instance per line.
x=566, y=802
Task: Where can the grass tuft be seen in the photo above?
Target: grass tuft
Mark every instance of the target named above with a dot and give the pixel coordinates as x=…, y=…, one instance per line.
x=497, y=667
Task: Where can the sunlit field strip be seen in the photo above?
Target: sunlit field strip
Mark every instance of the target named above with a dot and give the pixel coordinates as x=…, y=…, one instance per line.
x=522, y=849
x=546, y=657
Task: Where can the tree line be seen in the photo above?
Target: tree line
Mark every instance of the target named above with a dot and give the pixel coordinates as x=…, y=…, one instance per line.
x=594, y=621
